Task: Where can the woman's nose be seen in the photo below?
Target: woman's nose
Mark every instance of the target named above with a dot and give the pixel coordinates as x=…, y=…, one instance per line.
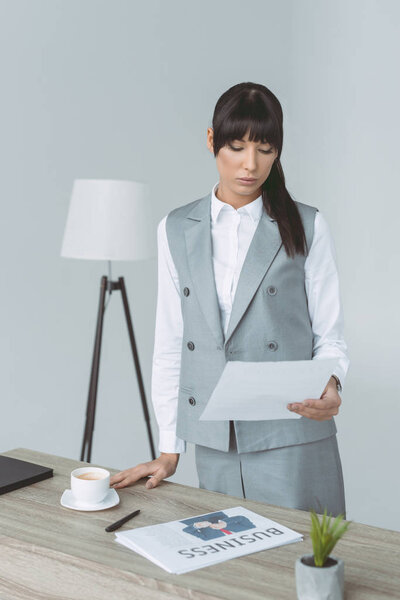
x=250, y=161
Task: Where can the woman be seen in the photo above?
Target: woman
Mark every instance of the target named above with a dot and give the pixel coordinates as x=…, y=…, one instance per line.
x=246, y=273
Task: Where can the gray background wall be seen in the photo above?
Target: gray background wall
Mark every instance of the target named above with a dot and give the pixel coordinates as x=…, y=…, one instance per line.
x=126, y=90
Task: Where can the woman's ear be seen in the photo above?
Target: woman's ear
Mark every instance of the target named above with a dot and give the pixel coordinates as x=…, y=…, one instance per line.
x=210, y=139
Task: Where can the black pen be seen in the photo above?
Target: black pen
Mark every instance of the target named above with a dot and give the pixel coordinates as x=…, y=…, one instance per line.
x=118, y=524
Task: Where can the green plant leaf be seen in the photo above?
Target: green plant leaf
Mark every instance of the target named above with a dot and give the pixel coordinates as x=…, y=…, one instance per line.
x=325, y=534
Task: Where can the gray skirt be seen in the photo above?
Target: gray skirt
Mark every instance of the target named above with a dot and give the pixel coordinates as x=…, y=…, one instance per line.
x=301, y=476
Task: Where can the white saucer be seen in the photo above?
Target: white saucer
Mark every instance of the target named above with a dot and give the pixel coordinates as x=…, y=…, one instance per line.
x=68, y=500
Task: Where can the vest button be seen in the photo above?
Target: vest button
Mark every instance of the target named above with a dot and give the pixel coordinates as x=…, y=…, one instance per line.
x=192, y=401
x=271, y=290
x=190, y=345
x=186, y=291
x=272, y=345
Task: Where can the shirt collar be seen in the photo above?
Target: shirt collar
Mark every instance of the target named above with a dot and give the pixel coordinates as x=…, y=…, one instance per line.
x=254, y=208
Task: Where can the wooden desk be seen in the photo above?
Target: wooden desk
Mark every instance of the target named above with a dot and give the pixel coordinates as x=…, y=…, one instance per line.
x=48, y=551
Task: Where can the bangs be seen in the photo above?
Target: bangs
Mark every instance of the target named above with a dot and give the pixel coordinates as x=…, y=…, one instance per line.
x=249, y=113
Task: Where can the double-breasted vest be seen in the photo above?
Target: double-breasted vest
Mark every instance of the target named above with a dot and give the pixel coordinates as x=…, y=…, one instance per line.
x=269, y=321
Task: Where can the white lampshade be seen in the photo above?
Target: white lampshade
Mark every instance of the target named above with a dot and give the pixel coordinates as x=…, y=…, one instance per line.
x=109, y=220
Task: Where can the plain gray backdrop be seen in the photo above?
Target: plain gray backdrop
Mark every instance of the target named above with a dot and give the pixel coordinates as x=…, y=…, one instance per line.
x=126, y=90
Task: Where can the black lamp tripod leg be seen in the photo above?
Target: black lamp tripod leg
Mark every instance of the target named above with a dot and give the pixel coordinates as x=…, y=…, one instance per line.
x=94, y=377
x=137, y=364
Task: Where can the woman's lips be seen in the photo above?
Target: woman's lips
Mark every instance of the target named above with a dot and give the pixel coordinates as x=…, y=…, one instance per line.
x=246, y=180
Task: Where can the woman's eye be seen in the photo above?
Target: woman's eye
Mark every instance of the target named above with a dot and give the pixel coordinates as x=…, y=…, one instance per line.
x=238, y=149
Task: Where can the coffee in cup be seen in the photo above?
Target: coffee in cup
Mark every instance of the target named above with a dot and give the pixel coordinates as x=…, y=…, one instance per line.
x=90, y=485
x=90, y=475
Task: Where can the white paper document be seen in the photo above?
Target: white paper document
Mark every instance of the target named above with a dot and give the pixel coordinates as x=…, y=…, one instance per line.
x=204, y=540
x=258, y=391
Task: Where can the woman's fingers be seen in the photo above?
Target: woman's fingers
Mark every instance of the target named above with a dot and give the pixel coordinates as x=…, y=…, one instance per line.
x=118, y=477
x=319, y=414
x=160, y=468
x=320, y=409
x=153, y=481
x=316, y=413
x=130, y=476
x=157, y=477
x=324, y=403
x=122, y=483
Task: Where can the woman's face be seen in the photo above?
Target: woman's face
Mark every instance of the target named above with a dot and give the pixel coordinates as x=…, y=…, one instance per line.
x=242, y=158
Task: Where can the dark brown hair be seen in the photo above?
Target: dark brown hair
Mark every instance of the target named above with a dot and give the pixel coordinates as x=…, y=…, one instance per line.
x=253, y=107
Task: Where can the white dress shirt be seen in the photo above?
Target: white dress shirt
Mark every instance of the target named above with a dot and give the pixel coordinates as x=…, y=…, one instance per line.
x=232, y=231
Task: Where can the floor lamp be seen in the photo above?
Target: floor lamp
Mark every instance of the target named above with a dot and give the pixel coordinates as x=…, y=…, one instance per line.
x=109, y=220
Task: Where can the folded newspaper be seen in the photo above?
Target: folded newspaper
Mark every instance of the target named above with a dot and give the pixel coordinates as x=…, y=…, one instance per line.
x=204, y=540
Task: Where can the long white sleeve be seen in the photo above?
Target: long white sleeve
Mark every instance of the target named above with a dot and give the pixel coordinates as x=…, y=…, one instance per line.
x=167, y=347
x=324, y=302
x=324, y=305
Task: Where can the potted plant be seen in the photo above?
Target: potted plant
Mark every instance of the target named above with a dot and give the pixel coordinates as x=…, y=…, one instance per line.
x=320, y=576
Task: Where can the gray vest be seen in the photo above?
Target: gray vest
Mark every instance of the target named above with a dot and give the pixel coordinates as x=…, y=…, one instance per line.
x=269, y=321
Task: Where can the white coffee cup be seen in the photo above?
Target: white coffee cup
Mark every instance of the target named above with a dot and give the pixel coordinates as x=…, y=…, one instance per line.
x=90, y=485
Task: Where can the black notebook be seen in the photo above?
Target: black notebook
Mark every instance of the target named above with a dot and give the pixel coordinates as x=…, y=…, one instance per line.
x=15, y=473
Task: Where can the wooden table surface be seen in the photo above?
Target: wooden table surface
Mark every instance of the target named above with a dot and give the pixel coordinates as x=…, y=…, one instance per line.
x=48, y=551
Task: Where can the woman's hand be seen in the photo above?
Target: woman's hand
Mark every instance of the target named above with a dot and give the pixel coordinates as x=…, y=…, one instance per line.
x=160, y=468
x=322, y=409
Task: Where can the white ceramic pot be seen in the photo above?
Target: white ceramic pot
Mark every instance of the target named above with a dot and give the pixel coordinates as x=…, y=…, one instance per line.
x=319, y=583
